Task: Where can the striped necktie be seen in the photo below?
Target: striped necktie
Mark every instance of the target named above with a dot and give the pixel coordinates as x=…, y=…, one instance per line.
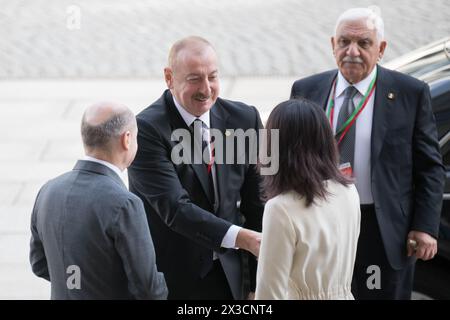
x=347, y=145
x=209, y=161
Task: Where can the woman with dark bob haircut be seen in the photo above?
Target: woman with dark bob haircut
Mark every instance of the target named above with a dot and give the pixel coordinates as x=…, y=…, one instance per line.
x=312, y=216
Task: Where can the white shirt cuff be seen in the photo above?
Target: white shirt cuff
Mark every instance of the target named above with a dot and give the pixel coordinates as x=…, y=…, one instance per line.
x=229, y=241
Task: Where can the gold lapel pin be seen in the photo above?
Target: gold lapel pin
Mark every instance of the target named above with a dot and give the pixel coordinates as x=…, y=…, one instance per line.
x=391, y=96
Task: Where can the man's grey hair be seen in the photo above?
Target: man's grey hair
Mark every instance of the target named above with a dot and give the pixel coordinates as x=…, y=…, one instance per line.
x=100, y=136
x=373, y=18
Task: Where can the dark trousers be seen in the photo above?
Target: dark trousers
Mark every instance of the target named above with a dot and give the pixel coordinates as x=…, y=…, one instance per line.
x=371, y=255
x=214, y=286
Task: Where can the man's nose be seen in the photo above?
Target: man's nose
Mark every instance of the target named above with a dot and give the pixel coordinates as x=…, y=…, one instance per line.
x=205, y=87
x=353, y=50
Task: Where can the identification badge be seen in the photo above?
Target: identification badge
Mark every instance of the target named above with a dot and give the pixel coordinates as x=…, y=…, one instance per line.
x=346, y=169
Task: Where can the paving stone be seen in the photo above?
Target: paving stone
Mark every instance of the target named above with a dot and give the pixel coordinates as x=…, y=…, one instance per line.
x=253, y=38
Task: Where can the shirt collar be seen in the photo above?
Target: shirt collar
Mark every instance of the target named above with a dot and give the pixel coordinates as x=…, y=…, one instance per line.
x=189, y=118
x=105, y=163
x=361, y=86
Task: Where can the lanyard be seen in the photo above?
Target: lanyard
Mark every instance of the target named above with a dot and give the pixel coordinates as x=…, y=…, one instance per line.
x=352, y=119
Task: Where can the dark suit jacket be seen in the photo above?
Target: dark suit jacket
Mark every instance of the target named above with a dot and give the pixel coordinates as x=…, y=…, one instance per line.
x=89, y=219
x=407, y=172
x=180, y=214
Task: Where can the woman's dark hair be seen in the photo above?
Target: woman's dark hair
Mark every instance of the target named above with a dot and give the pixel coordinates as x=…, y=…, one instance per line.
x=307, y=151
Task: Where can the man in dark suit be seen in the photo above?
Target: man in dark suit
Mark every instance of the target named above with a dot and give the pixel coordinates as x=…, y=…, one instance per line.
x=193, y=208
x=89, y=237
x=388, y=142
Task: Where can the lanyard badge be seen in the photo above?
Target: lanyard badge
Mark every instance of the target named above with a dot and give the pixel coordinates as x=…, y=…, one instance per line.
x=341, y=132
x=346, y=169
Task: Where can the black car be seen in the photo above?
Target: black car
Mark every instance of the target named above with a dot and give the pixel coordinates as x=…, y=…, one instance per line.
x=432, y=65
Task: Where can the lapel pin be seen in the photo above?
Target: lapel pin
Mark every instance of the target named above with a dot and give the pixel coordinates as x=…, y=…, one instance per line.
x=391, y=96
x=227, y=133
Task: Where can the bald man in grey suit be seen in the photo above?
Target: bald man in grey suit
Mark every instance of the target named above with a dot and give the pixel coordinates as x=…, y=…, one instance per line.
x=90, y=236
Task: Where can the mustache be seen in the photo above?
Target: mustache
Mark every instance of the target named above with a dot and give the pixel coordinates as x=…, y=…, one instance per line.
x=201, y=96
x=352, y=59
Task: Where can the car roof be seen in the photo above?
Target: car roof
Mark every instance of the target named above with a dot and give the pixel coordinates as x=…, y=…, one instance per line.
x=429, y=63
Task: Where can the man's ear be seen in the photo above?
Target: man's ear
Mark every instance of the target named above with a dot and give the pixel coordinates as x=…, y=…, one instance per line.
x=332, y=45
x=125, y=140
x=383, y=45
x=168, y=76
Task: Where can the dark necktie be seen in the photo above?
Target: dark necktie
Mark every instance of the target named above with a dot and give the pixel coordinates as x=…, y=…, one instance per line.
x=347, y=145
x=201, y=127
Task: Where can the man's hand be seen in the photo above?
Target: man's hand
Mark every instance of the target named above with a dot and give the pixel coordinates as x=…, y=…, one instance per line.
x=249, y=240
x=422, y=245
x=251, y=295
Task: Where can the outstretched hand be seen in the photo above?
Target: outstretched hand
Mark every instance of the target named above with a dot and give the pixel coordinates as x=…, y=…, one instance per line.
x=249, y=240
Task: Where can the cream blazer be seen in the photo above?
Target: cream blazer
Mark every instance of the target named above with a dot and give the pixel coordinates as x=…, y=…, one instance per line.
x=309, y=253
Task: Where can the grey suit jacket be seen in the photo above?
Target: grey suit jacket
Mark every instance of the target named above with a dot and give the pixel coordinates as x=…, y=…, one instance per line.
x=86, y=224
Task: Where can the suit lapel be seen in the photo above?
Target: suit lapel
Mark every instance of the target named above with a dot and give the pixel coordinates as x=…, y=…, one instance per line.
x=218, y=116
x=383, y=107
x=323, y=86
x=177, y=122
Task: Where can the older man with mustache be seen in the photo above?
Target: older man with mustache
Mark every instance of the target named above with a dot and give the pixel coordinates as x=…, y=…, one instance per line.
x=387, y=139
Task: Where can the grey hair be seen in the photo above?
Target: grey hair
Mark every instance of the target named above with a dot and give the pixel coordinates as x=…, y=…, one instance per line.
x=373, y=18
x=100, y=136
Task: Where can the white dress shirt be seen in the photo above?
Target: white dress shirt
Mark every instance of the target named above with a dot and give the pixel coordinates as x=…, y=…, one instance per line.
x=362, y=165
x=229, y=240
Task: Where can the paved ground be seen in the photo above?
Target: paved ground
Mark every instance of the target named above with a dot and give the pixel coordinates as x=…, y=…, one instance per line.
x=253, y=37
x=264, y=46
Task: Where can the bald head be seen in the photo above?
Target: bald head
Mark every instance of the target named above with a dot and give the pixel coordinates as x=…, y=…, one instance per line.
x=103, y=122
x=100, y=112
x=192, y=45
